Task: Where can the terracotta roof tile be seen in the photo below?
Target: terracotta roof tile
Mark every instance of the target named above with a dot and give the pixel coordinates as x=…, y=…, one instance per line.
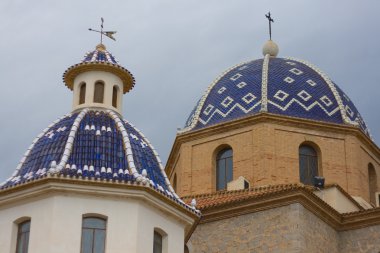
x=227, y=197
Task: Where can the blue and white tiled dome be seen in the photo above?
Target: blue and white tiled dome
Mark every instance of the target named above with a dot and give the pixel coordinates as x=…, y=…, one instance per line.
x=93, y=144
x=102, y=60
x=283, y=86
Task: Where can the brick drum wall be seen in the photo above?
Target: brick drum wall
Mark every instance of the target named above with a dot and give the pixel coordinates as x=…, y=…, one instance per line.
x=286, y=229
x=267, y=153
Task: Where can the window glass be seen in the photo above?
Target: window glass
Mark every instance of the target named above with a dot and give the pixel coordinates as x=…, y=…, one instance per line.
x=372, y=183
x=114, y=96
x=93, y=235
x=157, y=244
x=99, y=92
x=224, y=168
x=82, y=94
x=23, y=237
x=175, y=182
x=308, y=164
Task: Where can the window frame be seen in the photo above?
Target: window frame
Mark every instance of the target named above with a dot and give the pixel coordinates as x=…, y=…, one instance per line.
x=99, y=92
x=310, y=158
x=372, y=183
x=21, y=234
x=228, y=170
x=98, y=217
x=164, y=240
x=82, y=93
x=115, y=96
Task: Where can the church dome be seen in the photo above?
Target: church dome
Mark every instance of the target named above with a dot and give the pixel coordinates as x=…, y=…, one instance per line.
x=281, y=86
x=93, y=144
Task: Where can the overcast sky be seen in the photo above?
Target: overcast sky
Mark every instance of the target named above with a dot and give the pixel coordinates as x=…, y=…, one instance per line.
x=175, y=49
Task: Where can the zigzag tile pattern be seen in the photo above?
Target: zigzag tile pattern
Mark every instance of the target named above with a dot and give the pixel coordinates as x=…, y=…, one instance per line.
x=293, y=88
x=298, y=91
x=236, y=94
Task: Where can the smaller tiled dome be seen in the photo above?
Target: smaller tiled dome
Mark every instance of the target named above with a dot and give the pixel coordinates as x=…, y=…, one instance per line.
x=99, y=60
x=93, y=144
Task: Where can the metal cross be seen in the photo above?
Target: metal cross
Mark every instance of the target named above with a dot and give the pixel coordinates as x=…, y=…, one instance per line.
x=270, y=20
x=109, y=34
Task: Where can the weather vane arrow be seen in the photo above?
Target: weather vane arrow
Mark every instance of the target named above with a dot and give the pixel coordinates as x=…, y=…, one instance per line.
x=108, y=34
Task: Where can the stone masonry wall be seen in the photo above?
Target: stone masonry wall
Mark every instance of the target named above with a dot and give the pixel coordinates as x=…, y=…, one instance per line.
x=360, y=240
x=290, y=229
x=286, y=229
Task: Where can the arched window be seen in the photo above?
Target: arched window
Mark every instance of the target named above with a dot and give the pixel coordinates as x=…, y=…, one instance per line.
x=308, y=159
x=224, y=168
x=82, y=93
x=157, y=244
x=93, y=235
x=23, y=237
x=372, y=182
x=114, y=96
x=175, y=182
x=99, y=92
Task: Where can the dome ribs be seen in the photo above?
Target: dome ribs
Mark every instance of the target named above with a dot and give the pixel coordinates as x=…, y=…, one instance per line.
x=281, y=86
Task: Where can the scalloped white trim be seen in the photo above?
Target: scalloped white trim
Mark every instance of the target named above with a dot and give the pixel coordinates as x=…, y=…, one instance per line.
x=167, y=182
x=27, y=153
x=264, y=84
x=94, y=56
x=332, y=88
x=201, y=102
x=69, y=143
x=127, y=144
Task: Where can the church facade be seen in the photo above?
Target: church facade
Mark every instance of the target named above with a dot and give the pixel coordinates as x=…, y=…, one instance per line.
x=279, y=160
x=91, y=182
x=274, y=157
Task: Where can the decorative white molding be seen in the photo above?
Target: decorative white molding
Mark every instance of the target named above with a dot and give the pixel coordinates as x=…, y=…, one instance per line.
x=332, y=88
x=167, y=182
x=27, y=153
x=127, y=145
x=264, y=84
x=201, y=102
x=69, y=143
x=237, y=105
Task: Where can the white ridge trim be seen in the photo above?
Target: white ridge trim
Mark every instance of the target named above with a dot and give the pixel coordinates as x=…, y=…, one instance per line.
x=264, y=84
x=167, y=182
x=69, y=143
x=27, y=153
x=201, y=102
x=332, y=88
x=127, y=145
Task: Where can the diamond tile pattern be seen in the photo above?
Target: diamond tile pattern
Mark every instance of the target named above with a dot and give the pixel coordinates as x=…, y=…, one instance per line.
x=299, y=103
x=293, y=89
x=355, y=116
x=251, y=75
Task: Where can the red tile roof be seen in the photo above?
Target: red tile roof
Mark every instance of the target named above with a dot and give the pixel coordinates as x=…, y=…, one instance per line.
x=205, y=201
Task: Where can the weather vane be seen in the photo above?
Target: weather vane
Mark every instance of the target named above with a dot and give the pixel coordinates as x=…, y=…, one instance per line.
x=109, y=34
x=270, y=19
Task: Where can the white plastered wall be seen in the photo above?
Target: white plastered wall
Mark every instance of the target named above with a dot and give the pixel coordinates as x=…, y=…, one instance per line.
x=56, y=224
x=337, y=200
x=90, y=78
